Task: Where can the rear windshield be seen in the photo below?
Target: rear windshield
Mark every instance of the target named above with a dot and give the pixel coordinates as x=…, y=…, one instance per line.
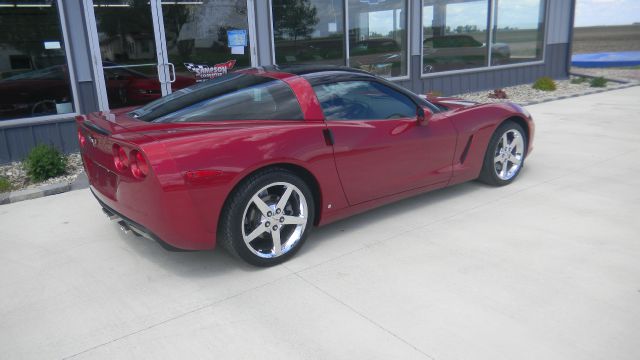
x=235, y=96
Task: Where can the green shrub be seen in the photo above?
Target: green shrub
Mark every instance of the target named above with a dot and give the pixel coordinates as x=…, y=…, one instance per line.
x=44, y=162
x=5, y=185
x=579, y=80
x=598, y=82
x=545, y=83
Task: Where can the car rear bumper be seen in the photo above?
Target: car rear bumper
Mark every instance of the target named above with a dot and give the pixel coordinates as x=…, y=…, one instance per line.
x=127, y=225
x=172, y=223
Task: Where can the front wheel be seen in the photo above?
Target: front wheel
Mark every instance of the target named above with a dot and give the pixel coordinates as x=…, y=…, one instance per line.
x=267, y=218
x=505, y=155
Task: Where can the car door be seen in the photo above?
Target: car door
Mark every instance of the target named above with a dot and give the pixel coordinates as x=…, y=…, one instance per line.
x=380, y=149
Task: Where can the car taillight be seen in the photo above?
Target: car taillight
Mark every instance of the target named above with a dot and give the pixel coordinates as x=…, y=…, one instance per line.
x=139, y=165
x=81, y=139
x=120, y=159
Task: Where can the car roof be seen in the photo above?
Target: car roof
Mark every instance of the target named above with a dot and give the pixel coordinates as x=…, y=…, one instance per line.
x=312, y=69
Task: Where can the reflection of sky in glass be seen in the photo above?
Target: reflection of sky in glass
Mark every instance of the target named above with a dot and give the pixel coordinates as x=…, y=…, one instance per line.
x=522, y=14
x=381, y=22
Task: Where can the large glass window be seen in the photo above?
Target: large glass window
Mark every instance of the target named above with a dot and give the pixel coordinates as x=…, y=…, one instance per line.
x=378, y=36
x=34, y=76
x=363, y=100
x=455, y=35
x=308, y=31
x=518, y=29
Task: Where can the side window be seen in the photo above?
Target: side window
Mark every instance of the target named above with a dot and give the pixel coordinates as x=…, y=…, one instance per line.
x=363, y=100
x=272, y=100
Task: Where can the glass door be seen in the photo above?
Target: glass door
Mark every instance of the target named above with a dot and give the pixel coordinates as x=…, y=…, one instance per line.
x=149, y=48
x=206, y=39
x=131, y=60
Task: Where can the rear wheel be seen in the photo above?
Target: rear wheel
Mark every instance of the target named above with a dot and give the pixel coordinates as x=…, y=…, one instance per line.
x=267, y=218
x=505, y=155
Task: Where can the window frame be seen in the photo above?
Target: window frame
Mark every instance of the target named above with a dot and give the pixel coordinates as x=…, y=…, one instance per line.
x=367, y=80
x=408, y=31
x=35, y=120
x=488, y=67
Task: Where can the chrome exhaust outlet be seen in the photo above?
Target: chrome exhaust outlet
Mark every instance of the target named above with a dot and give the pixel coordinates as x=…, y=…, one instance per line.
x=124, y=227
x=111, y=216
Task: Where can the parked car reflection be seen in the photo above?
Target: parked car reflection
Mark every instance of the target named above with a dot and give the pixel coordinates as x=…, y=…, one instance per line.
x=127, y=86
x=48, y=91
x=380, y=56
x=35, y=93
x=455, y=52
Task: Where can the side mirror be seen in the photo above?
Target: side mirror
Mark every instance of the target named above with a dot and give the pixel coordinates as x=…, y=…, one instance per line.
x=424, y=115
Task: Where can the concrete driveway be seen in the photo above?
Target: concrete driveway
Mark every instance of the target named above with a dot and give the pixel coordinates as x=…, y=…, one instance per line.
x=547, y=268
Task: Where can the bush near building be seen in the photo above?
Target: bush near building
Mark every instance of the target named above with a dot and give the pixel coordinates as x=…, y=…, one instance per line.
x=545, y=83
x=5, y=185
x=598, y=82
x=44, y=162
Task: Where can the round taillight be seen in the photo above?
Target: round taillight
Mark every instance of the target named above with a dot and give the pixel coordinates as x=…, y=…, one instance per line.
x=81, y=139
x=139, y=165
x=120, y=159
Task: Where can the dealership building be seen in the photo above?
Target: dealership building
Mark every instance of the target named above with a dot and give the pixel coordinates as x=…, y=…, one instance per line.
x=61, y=58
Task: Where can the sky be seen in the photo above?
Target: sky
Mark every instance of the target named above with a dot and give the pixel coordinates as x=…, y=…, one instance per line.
x=607, y=12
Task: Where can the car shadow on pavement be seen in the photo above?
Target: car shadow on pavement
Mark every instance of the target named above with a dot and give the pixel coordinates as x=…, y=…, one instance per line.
x=414, y=212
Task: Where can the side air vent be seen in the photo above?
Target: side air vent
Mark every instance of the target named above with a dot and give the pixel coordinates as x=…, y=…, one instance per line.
x=463, y=157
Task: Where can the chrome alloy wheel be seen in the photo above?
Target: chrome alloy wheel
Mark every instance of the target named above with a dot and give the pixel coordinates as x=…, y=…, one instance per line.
x=509, y=154
x=274, y=220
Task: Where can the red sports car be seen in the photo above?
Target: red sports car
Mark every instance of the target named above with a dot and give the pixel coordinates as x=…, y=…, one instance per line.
x=254, y=159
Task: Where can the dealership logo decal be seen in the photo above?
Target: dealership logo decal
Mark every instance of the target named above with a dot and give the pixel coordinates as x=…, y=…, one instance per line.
x=207, y=72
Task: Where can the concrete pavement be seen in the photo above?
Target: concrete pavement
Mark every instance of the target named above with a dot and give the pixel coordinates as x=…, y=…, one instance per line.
x=546, y=268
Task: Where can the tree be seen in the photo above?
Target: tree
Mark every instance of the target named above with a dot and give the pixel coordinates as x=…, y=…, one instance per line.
x=294, y=19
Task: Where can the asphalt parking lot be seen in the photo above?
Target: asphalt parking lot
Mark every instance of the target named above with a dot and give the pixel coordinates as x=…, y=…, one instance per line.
x=547, y=268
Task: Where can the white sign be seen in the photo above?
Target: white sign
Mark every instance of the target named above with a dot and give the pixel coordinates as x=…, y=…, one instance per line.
x=51, y=45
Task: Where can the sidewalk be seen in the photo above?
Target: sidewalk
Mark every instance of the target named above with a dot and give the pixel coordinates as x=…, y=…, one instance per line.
x=546, y=268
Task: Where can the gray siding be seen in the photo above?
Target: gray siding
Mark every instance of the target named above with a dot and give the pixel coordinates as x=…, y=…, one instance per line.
x=16, y=142
x=560, y=21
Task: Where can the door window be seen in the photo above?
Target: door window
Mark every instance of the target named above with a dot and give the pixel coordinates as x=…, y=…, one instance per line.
x=206, y=39
x=128, y=51
x=363, y=100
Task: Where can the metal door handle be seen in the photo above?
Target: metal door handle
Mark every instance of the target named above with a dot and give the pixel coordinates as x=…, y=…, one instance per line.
x=172, y=70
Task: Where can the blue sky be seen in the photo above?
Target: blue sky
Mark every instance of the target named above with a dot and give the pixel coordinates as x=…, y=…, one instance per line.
x=607, y=12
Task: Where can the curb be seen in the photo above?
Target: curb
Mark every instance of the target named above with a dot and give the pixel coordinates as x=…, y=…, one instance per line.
x=42, y=191
x=591, y=92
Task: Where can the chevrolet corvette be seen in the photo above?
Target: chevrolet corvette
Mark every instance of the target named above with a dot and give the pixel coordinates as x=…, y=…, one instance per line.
x=255, y=159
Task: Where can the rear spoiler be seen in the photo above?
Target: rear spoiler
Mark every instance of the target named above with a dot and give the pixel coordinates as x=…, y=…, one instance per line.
x=91, y=125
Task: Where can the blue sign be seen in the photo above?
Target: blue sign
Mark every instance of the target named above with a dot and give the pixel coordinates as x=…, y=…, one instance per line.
x=237, y=38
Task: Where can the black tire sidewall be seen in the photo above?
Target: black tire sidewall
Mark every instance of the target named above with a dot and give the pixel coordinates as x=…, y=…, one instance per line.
x=232, y=220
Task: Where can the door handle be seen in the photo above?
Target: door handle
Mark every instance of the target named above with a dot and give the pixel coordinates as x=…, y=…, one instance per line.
x=328, y=137
x=172, y=70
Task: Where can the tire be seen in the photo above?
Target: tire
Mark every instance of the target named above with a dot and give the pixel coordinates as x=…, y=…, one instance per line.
x=255, y=217
x=493, y=168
